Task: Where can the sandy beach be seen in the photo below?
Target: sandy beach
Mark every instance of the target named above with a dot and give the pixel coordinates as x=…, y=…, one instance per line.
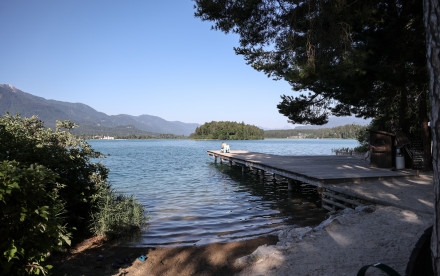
x=348, y=242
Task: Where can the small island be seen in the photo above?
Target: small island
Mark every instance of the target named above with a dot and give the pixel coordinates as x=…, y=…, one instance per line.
x=225, y=130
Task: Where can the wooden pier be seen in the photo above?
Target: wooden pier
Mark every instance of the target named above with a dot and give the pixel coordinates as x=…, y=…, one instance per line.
x=324, y=172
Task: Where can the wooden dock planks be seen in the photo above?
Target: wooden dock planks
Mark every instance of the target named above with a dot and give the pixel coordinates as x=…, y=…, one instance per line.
x=325, y=172
x=314, y=170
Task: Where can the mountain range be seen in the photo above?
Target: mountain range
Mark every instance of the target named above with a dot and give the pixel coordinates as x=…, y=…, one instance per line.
x=90, y=121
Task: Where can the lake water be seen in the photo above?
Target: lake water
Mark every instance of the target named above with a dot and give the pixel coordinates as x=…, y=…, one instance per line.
x=192, y=200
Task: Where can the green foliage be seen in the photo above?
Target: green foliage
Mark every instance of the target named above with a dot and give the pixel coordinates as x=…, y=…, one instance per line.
x=117, y=214
x=366, y=58
x=341, y=132
x=50, y=190
x=30, y=217
x=345, y=57
x=228, y=131
x=364, y=138
x=28, y=142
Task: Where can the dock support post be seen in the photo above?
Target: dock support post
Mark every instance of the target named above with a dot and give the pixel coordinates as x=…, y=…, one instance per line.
x=215, y=159
x=289, y=184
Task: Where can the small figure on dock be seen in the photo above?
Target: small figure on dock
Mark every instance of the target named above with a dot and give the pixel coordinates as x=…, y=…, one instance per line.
x=367, y=155
x=225, y=148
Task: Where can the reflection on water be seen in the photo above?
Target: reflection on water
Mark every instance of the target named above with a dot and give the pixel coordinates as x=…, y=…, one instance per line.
x=246, y=206
x=301, y=206
x=192, y=200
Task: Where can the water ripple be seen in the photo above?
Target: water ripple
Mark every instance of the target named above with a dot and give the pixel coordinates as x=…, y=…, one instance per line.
x=191, y=200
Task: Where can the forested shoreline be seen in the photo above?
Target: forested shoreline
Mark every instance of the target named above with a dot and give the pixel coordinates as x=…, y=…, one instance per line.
x=348, y=131
x=226, y=130
x=132, y=137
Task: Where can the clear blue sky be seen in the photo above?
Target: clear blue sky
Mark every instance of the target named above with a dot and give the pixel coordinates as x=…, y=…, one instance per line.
x=133, y=57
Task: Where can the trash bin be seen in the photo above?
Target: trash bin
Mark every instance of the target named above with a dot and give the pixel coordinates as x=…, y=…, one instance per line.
x=400, y=160
x=381, y=150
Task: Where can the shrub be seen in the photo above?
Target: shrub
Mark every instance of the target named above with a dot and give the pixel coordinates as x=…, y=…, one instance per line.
x=50, y=191
x=30, y=216
x=117, y=214
x=28, y=142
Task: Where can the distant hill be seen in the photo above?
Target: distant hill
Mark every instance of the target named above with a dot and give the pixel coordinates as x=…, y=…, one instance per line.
x=15, y=101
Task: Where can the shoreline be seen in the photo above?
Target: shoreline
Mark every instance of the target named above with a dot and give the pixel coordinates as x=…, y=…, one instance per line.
x=340, y=245
x=96, y=256
x=386, y=232
x=343, y=244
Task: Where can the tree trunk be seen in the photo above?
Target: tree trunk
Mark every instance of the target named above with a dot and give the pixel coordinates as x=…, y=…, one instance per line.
x=424, y=132
x=432, y=25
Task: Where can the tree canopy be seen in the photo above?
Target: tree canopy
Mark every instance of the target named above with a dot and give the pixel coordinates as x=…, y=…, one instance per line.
x=365, y=58
x=228, y=131
x=345, y=57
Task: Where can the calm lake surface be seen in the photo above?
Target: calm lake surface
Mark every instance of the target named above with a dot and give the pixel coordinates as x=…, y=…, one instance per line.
x=192, y=200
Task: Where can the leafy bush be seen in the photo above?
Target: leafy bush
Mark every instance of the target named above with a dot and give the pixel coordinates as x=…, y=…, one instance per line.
x=30, y=210
x=50, y=191
x=28, y=142
x=363, y=137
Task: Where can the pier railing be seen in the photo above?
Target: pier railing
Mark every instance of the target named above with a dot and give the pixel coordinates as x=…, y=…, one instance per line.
x=350, y=153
